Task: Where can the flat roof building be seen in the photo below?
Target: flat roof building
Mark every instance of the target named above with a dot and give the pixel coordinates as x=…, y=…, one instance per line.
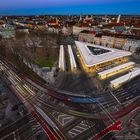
x=94, y=56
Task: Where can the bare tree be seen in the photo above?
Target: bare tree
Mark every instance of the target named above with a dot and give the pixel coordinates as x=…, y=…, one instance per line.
x=0, y=37
x=20, y=34
x=2, y=49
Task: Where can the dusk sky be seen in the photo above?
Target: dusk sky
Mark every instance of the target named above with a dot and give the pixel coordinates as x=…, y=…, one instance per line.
x=23, y=7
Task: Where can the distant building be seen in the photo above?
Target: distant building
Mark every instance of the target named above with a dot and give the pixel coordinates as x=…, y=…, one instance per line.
x=8, y=31
x=132, y=45
x=119, y=40
x=54, y=29
x=113, y=40
x=90, y=37
x=87, y=36
x=80, y=27
x=107, y=41
x=119, y=29
x=77, y=29
x=135, y=31
x=67, y=30
x=96, y=37
x=54, y=22
x=97, y=40
x=22, y=29
x=54, y=25
x=118, y=19
x=2, y=24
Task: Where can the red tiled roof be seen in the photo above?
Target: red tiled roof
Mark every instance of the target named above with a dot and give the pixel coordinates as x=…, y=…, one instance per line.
x=1, y=23
x=52, y=21
x=137, y=25
x=114, y=24
x=121, y=35
x=55, y=26
x=92, y=32
x=82, y=24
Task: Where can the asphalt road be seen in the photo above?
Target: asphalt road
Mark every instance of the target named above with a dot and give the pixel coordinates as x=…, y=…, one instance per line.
x=46, y=103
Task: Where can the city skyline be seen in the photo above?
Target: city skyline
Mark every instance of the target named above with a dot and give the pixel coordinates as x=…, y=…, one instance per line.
x=69, y=69
x=63, y=7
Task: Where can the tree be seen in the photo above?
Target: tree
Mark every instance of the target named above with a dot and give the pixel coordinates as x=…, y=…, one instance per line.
x=0, y=37
x=20, y=34
x=2, y=49
x=137, y=51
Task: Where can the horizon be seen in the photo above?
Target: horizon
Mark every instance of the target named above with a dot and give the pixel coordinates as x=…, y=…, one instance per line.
x=85, y=14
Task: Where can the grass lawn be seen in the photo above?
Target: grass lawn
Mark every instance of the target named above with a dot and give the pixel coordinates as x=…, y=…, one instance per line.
x=44, y=62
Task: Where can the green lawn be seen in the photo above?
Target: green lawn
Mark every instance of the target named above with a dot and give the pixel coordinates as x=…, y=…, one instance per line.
x=44, y=62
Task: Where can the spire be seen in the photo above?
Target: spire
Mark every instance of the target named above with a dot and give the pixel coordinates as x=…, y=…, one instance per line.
x=118, y=19
x=80, y=17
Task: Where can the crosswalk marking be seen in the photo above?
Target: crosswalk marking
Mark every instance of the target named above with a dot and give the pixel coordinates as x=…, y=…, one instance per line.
x=64, y=119
x=81, y=127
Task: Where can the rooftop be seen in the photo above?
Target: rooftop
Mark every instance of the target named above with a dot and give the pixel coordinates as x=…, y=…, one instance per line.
x=121, y=35
x=99, y=54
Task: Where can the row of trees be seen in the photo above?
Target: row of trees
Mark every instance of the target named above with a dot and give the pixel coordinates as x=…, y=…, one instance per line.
x=27, y=44
x=137, y=52
x=2, y=48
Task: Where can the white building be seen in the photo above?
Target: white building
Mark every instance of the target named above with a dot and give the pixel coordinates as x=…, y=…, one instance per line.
x=62, y=63
x=67, y=30
x=132, y=45
x=93, y=56
x=77, y=29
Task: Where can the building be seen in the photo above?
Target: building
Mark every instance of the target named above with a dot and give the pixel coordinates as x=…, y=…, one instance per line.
x=90, y=37
x=107, y=41
x=77, y=29
x=8, y=31
x=54, y=22
x=2, y=24
x=113, y=41
x=97, y=40
x=132, y=45
x=93, y=57
x=119, y=42
x=54, y=29
x=67, y=30
x=80, y=27
x=87, y=36
x=135, y=31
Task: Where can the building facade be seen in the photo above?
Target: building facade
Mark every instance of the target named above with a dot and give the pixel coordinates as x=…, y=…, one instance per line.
x=90, y=37
x=111, y=40
x=78, y=29
x=67, y=30
x=92, y=62
x=132, y=45
x=107, y=41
